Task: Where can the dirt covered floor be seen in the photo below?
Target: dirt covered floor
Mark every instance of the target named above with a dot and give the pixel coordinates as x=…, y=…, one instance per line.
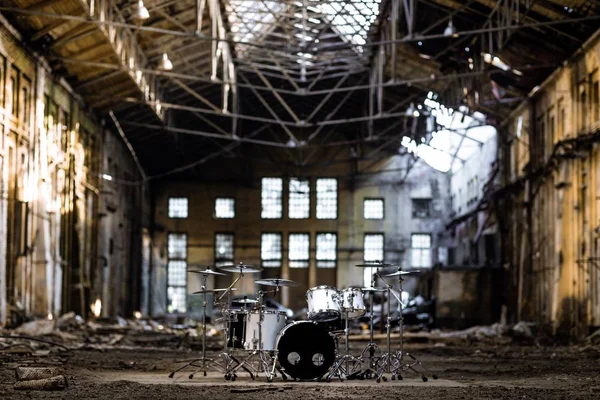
x=466, y=371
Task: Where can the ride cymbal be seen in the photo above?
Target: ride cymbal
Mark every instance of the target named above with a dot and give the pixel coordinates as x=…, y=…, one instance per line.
x=207, y=271
x=276, y=282
x=398, y=273
x=376, y=264
x=241, y=268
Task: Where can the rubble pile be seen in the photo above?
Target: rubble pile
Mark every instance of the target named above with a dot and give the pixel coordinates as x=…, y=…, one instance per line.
x=72, y=332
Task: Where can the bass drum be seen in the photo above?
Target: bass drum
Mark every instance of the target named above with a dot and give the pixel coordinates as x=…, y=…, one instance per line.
x=305, y=350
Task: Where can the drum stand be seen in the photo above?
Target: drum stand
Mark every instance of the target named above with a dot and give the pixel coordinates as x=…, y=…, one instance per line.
x=266, y=362
x=401, y=355
x=346, y=365
x=389, y=361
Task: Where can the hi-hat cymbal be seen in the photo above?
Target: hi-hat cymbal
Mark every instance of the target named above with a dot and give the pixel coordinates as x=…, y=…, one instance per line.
x=241, y=268
x=207, y=271
x=398, y=273
x=372, y=289
x=202, y=291
x=375, y=264
x=276, y=282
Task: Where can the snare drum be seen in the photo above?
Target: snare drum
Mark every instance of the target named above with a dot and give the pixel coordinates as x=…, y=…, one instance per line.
x=323, y=303
x=352, y=303
x=273, y=322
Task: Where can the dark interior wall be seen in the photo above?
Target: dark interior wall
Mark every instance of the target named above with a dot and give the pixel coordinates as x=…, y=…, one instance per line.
x=67, y=236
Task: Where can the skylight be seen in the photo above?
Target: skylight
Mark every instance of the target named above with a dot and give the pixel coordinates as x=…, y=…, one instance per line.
x=301, y=22
x=460, y=136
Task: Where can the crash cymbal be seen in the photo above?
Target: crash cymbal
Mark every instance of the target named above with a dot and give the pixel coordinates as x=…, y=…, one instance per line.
x=246, y=301
x=372, y=289
x=207, y=271
x=202, y=291
x=276, y=282
x=398, y=273
x=241, y=268
x=375, y=264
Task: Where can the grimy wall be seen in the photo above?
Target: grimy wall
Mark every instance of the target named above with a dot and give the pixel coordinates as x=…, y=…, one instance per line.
x=388, y=179
x=549, y=210
x=67, y=237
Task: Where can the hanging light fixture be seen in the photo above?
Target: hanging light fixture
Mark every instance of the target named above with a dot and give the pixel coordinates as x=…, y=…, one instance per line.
x=450, y=30
x=140, y=13
x=165, y=64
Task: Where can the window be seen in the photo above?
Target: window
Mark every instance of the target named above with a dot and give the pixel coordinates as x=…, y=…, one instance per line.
x=595, y=101
x=372, y=251
x=224, y=244
x=326, y=250
x=420, y=244
x=421, y=208
x=270, y=250
x=299, y=204
x=373, y=208
x=224, y=207
x=176, y=272
x=271, y=195
x=298, y=250
x=326, y=198
x=178, y=207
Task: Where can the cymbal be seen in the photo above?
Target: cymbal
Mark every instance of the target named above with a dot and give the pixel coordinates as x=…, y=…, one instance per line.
x=276, y=282
x=241, y=268
x=376, y=264
x=398, y=273
x=373, y=289
x=202, y=291
x=207, y=271
x=246, y=301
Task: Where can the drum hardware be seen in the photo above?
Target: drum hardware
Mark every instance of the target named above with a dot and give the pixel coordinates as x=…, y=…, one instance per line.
x=203, y=290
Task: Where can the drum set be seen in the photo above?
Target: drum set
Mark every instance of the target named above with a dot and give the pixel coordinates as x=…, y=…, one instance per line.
x=261, y=341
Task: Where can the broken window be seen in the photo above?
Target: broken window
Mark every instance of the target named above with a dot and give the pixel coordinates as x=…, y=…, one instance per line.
x=299, y=250
x=373, y=208
x=270, y=250
x=178, y=207
x=327, y=198
x=421, y=208
x=299, y=200
x=271, y=198
x=326, y=250
x=420, y=244
x=224, y=207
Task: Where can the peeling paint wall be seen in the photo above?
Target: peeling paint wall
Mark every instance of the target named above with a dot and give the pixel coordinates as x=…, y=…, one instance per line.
x=552, y=210
x=54, y=217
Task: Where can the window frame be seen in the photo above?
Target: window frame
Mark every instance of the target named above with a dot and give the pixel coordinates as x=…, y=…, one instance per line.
x=183, y=259
x=215, y=216
x=169, y=207
x=309, y=197
x=337, y=198
x=382, y=199
x=430, y=248
x=218, y=260
x=280, y=234
x=317, y=260
x=282, y=198
x=307, y=260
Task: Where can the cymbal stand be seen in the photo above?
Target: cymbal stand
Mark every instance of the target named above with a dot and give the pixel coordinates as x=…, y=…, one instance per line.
x=388, y=361
x=371, y=347
x=266, y=363
x=401, y=355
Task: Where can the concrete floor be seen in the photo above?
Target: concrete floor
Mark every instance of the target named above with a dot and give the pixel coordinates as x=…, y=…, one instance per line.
x=465, y=372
